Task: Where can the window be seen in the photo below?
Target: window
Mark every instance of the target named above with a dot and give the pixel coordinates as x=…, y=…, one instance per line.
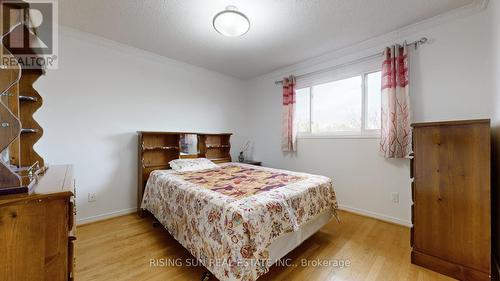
x=373, y=100
x=342, y=107
x=302, y=109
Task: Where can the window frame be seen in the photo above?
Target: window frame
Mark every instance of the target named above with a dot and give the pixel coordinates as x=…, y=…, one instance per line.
x=364, y=133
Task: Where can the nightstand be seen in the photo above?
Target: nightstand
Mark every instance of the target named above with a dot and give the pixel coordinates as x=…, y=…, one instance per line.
x=251, y=162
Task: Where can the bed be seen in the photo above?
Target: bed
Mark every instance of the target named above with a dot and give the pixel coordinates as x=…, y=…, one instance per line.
x=237, y=219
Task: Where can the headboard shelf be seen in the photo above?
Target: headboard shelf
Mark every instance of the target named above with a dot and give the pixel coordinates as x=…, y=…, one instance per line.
x=157, y=149
x=144, y=148
x=214, y=146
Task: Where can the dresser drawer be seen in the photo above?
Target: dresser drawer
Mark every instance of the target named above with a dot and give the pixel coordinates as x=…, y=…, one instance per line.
x=71, y=259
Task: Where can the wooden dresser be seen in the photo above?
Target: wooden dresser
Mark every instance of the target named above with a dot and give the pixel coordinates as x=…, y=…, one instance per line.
x=37, y=230
x=451, y=213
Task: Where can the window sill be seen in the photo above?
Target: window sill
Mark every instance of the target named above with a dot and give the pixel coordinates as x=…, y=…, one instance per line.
x=338, y=137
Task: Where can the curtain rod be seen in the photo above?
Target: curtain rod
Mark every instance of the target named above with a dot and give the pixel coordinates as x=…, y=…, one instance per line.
x=421, y=41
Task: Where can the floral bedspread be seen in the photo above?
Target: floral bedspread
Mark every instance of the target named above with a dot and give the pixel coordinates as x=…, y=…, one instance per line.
x=227, y=217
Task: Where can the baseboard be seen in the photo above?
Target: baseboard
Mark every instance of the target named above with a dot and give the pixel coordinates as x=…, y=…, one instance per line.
x=376, y=215
x=105, y=216
x=362, y=212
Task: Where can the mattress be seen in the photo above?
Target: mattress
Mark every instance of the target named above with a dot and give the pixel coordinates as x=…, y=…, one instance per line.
x=230, y=217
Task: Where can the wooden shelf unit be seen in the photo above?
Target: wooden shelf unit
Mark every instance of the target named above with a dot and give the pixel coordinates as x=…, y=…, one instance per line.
x=18, y=102
x=156, y=149
x=37, y=205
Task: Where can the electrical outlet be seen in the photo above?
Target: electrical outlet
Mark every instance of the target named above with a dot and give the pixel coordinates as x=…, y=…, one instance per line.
x=92, y=197
x=395, y=197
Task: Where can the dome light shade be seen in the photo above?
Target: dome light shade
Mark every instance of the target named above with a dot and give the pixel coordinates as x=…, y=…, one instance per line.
x=231, y=23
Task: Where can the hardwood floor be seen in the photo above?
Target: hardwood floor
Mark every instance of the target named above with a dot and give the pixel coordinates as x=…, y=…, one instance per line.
x=121, y=249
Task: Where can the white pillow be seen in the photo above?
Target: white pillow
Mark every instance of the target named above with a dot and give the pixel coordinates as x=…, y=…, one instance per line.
x=185, y=165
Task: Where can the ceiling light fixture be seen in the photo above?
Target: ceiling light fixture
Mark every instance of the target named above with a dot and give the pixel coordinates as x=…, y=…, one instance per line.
x=231, y=22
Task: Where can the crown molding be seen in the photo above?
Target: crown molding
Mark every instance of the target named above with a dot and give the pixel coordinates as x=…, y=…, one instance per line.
x=351, y=52
x=137, y=52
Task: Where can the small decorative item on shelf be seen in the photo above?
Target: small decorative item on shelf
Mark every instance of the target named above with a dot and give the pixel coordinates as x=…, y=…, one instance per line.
x=244, y=148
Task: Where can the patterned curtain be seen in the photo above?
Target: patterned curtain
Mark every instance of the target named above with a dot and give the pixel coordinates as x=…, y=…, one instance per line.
x=396, y=136
x=289, y=132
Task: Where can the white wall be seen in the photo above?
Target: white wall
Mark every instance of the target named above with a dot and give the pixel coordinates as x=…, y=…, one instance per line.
x=451, y=79
x=103, y=93
x=495, y=35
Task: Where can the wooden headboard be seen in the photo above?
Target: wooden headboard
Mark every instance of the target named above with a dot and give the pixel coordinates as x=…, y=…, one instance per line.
x=156, y=149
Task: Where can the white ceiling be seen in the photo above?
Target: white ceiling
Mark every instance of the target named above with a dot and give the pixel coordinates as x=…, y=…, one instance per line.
x=283, y=32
